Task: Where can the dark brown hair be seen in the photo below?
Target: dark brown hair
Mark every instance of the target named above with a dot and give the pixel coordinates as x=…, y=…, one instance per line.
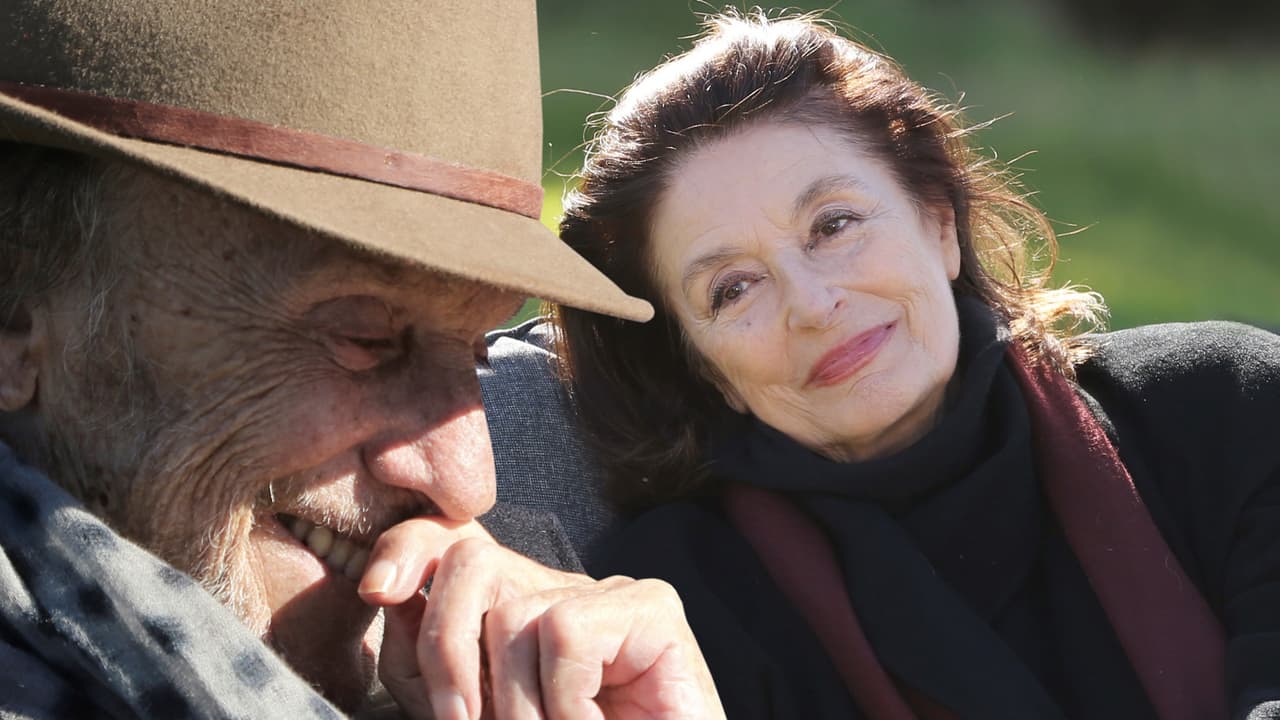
x=640, y=391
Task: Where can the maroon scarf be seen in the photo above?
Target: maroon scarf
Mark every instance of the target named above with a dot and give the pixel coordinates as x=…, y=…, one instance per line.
x=1171, y=637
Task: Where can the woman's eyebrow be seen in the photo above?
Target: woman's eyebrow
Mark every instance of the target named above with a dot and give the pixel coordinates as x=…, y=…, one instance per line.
x=704, y=263
x=822, y=187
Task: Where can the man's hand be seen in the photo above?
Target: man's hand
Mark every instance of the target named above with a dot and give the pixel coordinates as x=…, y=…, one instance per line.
x=501, y=636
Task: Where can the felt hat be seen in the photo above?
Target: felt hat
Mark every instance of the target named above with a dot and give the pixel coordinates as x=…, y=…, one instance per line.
x=408, y=127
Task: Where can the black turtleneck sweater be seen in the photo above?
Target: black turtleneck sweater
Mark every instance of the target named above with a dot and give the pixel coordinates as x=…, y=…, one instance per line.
x=1194, y=410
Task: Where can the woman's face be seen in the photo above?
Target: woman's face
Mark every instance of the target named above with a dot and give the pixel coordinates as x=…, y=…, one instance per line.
x=812, y=285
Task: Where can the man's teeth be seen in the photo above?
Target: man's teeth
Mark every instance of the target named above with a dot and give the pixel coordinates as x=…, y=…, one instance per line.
x=337, y=552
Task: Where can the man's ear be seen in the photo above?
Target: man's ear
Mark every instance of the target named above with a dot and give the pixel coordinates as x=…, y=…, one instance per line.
x=22, y=346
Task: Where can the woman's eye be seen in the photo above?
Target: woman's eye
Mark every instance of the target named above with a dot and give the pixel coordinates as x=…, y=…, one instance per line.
x=829, y=226
x=727, y=292
x=833, y=226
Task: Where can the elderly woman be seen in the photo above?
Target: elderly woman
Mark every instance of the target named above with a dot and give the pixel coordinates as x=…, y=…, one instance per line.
x=882, y=461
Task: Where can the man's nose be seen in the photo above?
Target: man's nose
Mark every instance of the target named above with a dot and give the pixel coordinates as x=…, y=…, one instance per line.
x=440, y=449
x=812, y=300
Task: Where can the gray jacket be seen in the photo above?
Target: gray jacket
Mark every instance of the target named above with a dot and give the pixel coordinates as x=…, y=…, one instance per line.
x=542, y=464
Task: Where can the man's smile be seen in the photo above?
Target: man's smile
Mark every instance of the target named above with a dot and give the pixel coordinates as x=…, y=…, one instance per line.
x=343, y=554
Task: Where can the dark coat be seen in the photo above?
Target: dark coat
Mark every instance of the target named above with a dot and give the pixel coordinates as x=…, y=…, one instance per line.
x=1194, y=410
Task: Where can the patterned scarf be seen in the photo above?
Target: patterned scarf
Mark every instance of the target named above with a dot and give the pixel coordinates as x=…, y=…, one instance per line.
x=92, y=625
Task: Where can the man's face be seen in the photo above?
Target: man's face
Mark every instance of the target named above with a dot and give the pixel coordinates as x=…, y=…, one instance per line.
x=246, y=376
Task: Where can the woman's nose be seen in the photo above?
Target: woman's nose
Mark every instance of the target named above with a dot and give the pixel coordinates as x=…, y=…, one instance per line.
x=812, y=301
x=438, y=446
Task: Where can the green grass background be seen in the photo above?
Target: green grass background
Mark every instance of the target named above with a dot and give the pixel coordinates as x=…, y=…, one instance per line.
x=1168, y=155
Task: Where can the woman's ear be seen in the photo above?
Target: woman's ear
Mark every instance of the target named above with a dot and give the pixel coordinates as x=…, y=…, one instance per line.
x=718, y=381
x=949, y=240
x=726, y=390
x=22, y=345
x=733, y=400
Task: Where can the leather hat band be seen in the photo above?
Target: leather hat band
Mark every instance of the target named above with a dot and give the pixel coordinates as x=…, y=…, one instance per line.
x=294, y=148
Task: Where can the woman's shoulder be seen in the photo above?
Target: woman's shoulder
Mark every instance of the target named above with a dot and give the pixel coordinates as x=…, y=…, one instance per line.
x=1173, y=356
x=1197, y=395
x=1192, y=408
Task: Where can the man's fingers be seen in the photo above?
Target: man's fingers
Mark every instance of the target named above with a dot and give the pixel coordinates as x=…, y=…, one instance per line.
x=406, y=555
x=511, y=641
x=462, y=591
x=398, y=661
x=558, y=644
x=401, y=562
x=474, y=577
x=627, y=649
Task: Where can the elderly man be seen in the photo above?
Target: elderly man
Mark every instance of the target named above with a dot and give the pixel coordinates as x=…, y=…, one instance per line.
x=248, y=253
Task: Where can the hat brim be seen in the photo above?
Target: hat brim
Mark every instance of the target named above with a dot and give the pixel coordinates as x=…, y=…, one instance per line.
x=463, y=239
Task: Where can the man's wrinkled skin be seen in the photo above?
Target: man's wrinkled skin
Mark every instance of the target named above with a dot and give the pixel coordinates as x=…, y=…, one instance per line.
x=243, y=369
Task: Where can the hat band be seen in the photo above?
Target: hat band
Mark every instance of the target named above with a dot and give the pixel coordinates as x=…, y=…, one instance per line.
x=294, y=148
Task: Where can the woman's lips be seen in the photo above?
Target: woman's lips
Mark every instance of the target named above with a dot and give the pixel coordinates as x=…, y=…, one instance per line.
x=849, y=356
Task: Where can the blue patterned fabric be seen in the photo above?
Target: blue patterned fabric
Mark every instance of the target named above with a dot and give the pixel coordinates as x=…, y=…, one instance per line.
x=92, y=625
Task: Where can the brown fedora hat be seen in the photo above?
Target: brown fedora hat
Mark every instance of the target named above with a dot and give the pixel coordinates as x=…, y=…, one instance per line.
x=409, y=127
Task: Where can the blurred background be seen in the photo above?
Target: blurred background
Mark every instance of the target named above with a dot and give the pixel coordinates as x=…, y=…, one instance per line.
x=1148, y=129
